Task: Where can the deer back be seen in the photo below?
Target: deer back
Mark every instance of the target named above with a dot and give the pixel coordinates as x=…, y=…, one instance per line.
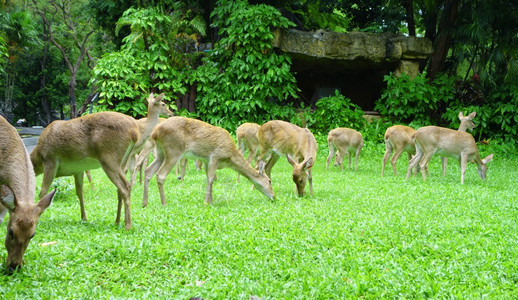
x=286, y=138
x=446, y=142
x=17, y=193
x=78, y=144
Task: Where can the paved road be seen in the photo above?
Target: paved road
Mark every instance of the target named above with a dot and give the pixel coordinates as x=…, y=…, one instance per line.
x=29, y=136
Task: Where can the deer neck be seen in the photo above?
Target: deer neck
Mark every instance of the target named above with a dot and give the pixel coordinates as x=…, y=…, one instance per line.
x=240, y=165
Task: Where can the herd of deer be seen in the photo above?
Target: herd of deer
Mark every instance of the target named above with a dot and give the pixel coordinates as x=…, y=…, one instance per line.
x=118, y=143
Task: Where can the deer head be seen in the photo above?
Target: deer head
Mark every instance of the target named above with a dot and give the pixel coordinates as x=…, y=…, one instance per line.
x=300, y=173
x=24, y=216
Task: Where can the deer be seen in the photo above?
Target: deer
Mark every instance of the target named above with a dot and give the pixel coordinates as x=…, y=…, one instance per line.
x=398, y=138
x=102, y=139
x=156, y=108
x=246, y=135
x=348, y=142
x=447, y=143
x=181, y=137
x=298, y=144
x=17, y=193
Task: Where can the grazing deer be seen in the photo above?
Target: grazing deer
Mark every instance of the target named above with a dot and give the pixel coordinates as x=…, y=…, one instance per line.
x=398, y=138
x=103, y=139
x=447, y=143
x=179, y=137
x=246, y=135
x=348, y=142
x=17, y=193
x=298, y=144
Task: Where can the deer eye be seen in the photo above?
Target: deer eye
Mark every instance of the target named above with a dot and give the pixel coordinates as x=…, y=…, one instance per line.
x=11, y=233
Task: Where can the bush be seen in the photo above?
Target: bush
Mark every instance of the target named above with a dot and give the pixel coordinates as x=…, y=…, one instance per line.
x=415, y=100
x=336, y=111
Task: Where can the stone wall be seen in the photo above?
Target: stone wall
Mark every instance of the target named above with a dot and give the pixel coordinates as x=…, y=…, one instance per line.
x=353, y=63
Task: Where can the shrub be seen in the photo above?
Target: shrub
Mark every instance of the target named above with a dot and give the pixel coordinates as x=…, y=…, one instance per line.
x=336, y=111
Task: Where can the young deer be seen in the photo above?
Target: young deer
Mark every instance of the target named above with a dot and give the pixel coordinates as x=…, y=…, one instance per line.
x=156, y=108
x=17, y=192
x=398, y=138
x=103, y=139
x=179, y=137
x=298, y=144
x=447, y=143
x=246, y=135
x=348, y=142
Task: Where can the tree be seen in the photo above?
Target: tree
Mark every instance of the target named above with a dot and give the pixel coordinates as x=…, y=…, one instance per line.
x=69, y=29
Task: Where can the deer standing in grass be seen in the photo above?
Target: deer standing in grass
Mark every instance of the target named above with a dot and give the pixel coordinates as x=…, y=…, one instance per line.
x=17, y=193
x=246, y=135
x=180, y=137
x=348, y=142
x=298, y=144
x=447, y=143
x=398, y=138
x=105, y=139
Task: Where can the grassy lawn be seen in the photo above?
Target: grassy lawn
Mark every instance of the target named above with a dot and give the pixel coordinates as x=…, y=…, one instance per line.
x=359, y=236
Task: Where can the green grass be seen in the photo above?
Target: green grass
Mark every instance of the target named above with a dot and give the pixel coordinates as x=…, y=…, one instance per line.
x=359, y=236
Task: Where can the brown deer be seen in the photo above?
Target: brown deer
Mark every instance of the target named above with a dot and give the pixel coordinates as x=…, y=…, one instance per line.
x=246, y=135
x=17, y=193
x=398, y=138
x=298, y=144
x=179, y=137
x=103, y=139
x=348, y=142
x=447, y=143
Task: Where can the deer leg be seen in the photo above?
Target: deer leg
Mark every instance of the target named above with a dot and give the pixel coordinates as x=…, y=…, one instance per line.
x=115, y=173
x=444, y=161
x=78, y=180
x=349, y=154
x=49, y=173
x=148, y=174
x=89, y=176
x=212, y=166
x=413, y=162
x=271, y=162
x=394, y=159
x=388, y=152
x=463, y=164
x=331, y=154
x=310, y=179
x=182, y=165
x=424, y=163
x=165, y=168
x=358, y=151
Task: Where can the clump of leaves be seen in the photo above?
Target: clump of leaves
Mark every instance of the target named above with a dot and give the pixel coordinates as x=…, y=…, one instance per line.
x=337, y=111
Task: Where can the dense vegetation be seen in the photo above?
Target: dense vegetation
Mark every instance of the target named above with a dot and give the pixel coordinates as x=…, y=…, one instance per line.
x=214, y=60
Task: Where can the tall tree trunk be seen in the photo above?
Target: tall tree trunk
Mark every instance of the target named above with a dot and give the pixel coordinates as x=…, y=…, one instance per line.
x=192, y=106
x=443, y=38
x=72, y=94
x=409, y=7
x=44, y=97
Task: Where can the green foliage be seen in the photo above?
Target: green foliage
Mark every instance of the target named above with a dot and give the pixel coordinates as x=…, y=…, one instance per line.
x=150, y=60
x=505, y=113
x=244, y=79
x=336, y=111
x=415, y=100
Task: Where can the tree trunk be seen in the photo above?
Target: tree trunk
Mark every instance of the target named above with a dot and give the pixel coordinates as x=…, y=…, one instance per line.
x=409, y=7
x=44, y=98
x=443, y=38
x=192, y=106
x=72, y=94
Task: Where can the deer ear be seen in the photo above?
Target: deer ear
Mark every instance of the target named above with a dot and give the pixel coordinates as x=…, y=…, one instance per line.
x=151, y=97
x=46, y=201
x=309, y=163
x=7, y=197
x=159, y=97
x=472, y=115
x=290, y=160
x=461, y=115
x=487, y=159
